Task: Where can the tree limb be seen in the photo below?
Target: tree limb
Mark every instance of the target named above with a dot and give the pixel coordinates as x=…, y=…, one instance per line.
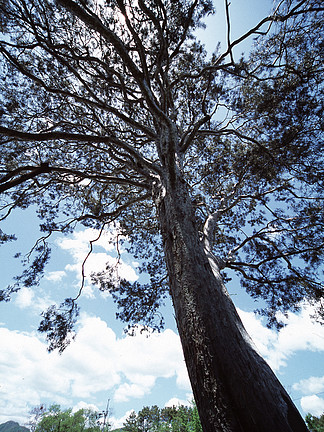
x=95, y=23
x=110, y=140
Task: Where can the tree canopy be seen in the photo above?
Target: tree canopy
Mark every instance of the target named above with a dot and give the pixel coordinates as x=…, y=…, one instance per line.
x=81, y=96
x=54, y=419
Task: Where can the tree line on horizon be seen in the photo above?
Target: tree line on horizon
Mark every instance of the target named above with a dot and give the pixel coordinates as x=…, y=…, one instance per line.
x=178, y=418
x=169, y=419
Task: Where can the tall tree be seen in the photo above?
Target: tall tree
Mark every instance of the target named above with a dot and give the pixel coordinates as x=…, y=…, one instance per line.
x=111, y=111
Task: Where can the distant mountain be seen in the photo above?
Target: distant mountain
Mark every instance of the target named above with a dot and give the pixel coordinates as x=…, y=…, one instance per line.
x=11, y=426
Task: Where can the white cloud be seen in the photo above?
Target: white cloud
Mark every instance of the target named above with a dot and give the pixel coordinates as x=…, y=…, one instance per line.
x=159, y=355
x=119, y=423
x=301, y=333
x=176, y=402
x=127, y=367
x=80, y=241
x=310, y=385
x=27, y=374
x=182, y=380
x=55, y=276
x=126, y=391
x=98, y=360
x=84, y=405
x=313, y=405
x=24, y=298
x=88, y=292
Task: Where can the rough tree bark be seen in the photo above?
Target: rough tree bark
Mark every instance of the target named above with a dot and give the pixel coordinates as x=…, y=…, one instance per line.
x=234, y=388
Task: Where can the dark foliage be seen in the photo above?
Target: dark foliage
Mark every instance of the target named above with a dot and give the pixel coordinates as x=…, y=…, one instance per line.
x=58, y=323
x=315, y=424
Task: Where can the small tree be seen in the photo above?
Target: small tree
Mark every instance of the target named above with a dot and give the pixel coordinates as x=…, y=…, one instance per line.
x=130, y=424
x=35, y=416
x=56, y=420
x=315, y=424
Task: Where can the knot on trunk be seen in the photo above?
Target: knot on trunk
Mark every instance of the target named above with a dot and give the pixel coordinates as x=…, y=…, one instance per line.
x=158, y=192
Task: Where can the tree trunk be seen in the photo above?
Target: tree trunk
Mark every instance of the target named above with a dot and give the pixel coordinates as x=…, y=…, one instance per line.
x=234, y=388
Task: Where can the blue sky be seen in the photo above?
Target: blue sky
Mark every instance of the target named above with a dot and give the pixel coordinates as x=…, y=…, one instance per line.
x=103, y=362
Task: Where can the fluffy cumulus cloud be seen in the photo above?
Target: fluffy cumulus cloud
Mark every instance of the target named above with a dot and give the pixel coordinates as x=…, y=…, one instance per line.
x=25, y=298
x=300, y=333
x=313, y=404
x=27, y=373
x=144, y=359
x=97, y=361
x=55, y=276
x=86, y=406
x=310, y=385
x=80, y=240
x=119, y=423
x=312, y=388
x=127, y=391
x=124, y=367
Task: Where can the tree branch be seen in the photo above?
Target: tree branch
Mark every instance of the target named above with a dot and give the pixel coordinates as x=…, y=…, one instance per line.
x=138, y=42
x=34, y=172
x=228, y=21
x=110, y=140
x=8, y=181
x=113, y=215
x=97, y=103
x=189, y=136
x=186, y=26
x=96, y=24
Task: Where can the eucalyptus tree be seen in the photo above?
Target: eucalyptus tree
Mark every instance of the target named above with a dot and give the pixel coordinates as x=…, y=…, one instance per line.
x=112, y=111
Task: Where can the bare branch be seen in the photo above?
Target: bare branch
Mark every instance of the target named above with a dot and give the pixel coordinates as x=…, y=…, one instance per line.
x=189, y=136
x=113, y=215
x=85, y=260
x=228, y=21
x=9, y=181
